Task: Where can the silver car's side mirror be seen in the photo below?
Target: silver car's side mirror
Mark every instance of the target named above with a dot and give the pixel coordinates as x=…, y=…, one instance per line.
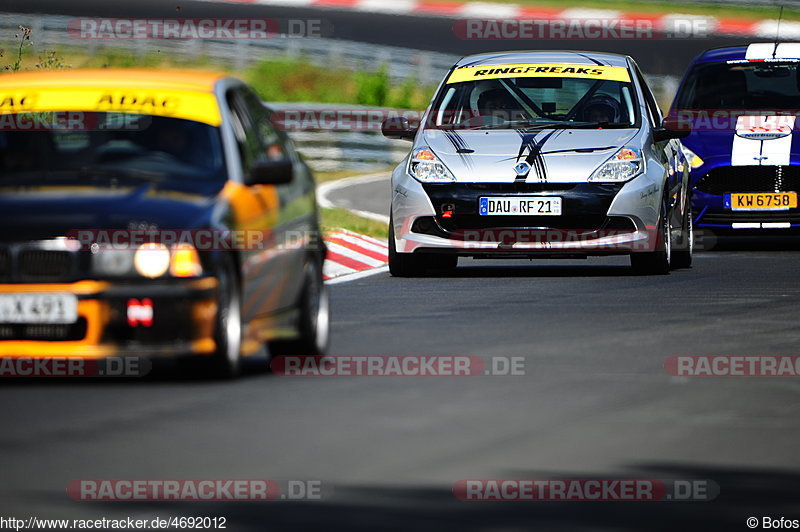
x=672, y=127
x=398, y=128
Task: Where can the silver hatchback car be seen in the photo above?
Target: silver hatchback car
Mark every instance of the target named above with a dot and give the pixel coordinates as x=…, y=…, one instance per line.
x=541, y=154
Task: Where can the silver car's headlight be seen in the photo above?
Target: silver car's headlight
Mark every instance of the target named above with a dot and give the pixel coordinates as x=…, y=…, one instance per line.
x=623, y=166
x=425, y=166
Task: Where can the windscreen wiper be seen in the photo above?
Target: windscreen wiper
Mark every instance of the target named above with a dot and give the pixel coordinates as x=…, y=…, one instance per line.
x=598, y=125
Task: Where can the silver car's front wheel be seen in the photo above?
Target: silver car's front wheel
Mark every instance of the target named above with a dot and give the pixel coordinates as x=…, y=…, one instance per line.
x=417, y=264
x=658, y=261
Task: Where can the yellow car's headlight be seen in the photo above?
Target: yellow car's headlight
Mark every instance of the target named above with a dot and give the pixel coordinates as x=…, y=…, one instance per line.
x=185, y=261
x=152, y=260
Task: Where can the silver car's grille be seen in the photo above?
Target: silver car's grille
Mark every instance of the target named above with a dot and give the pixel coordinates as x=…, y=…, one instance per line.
x=520, y=187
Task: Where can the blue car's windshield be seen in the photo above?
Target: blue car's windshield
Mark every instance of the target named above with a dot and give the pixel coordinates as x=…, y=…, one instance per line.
x=741, y=86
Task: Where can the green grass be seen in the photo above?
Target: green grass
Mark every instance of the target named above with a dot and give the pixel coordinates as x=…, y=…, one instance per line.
x=333, y=219
x=275, y=80
x=288, y=80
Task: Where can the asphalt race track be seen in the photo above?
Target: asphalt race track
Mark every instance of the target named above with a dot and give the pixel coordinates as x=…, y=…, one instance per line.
x=594, y=401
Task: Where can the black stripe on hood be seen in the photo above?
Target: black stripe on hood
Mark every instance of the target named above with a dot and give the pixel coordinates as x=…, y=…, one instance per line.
x=460, y=146
x=534, y=157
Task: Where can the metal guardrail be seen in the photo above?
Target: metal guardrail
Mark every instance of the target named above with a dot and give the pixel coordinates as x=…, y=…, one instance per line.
x=50, y=32
x=345, y=149
x=428, y=68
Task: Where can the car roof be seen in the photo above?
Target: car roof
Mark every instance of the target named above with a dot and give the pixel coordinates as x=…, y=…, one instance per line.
x=192, y=81
x=754, y=51
x=548, y=56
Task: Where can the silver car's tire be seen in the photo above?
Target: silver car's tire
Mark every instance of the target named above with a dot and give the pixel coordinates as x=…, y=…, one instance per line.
x=658, y=261
x=417, y=264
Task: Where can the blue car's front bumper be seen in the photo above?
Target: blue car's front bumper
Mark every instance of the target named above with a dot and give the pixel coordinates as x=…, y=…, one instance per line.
x=711, y=188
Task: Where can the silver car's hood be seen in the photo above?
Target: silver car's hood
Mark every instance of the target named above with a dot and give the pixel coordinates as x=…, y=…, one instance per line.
x=555, y=156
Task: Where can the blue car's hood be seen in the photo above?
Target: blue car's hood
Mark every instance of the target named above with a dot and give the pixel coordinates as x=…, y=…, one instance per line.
x=746, y=140
x=43, y=209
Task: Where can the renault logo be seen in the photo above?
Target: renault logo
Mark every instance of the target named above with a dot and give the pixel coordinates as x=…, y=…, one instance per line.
x=523, y=169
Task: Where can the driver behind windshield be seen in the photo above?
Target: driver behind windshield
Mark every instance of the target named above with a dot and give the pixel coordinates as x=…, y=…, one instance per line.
x=602, y=109
x=180, y=140
x=499, y=103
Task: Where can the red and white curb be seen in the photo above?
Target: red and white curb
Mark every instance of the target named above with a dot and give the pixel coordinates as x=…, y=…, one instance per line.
x=490, y=10
x=354, y=256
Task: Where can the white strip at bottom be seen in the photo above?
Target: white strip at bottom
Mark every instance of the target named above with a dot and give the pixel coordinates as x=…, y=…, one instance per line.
x=776, y=225
x=765, y=225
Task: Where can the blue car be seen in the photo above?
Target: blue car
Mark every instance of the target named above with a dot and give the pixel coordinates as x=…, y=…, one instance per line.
x=744, y=150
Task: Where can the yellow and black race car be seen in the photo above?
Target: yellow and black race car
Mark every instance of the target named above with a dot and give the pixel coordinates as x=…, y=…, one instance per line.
x=153, y=213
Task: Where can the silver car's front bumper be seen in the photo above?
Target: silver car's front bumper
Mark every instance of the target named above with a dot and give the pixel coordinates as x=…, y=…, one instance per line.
x=632, y=209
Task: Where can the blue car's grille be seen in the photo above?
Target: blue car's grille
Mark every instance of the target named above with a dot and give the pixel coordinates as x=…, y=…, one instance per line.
x=727, y=179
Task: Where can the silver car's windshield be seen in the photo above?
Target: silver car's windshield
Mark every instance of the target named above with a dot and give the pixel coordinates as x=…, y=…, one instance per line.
x=514, y=102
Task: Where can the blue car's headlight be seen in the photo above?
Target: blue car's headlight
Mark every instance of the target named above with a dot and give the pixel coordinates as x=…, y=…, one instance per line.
x=623, y=166
x=691, y=157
